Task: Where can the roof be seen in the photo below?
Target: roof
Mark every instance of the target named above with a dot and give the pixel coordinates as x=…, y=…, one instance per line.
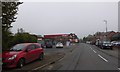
x=55, y=35
x=39, y=35
x=28, y=43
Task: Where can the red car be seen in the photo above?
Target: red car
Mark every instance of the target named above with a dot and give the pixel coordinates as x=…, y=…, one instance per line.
x=21, y=54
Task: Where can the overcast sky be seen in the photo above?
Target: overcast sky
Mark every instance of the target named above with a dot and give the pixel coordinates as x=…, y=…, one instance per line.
x=81, y=18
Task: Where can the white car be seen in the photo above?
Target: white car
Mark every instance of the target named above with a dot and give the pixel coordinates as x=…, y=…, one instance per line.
x=59, y=45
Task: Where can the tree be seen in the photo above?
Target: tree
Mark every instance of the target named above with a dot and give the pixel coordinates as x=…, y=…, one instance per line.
x=116, y=37
x=9, y=15
x=9, y=12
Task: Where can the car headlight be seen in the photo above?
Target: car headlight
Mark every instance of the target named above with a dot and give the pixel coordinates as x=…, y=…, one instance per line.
x=13, y=57
x=106, y=45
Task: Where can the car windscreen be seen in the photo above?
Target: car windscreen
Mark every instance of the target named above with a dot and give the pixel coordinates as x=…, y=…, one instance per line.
x=49, y=43
x=18, y=47
x=59, y=43
x=106, y=42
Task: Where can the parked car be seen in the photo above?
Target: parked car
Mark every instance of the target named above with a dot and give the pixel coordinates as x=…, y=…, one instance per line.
x=88, y=42
x=116, y=43
x=59, y=45
x=49, y=45
x=106, y=44
x=21, y=54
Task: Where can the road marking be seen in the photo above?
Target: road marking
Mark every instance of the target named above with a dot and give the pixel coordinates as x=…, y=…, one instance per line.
x=103, y=58
x=94, y=51
x=91, y=48
x=118, y=68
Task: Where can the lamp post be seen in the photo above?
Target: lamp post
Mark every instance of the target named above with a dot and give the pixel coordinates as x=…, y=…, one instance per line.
x=105, y=21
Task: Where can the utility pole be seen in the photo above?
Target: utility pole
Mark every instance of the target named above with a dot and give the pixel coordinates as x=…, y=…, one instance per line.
x=105, y=21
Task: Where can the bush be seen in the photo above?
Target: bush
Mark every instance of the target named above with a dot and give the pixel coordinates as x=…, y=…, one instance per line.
x=24, y=38
x=21, y=38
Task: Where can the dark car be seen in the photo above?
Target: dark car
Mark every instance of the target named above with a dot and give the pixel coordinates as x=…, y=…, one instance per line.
x=21, y=54
x=49, y=45
x=106, y=44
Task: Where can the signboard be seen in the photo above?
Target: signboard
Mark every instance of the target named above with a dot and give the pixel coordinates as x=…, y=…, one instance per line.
x=39, y=39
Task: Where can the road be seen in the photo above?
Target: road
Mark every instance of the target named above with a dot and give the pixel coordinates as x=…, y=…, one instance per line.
x=85, y=57
x=57, y=50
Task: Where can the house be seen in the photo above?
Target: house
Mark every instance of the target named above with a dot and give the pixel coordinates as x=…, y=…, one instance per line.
x=110, y=35
x=54, y=38
x=106, y=36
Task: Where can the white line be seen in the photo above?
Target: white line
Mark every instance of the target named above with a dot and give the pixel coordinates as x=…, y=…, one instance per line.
x=118, y=68
x=103, y=58
x=94, y=51
x=91, y=48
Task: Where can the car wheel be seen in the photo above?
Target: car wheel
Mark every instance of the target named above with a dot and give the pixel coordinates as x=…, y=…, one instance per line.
x=111, y=48
x=41, y=56
x=20, y=63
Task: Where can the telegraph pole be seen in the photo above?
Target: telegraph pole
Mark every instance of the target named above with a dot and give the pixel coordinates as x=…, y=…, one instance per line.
x=105, y=21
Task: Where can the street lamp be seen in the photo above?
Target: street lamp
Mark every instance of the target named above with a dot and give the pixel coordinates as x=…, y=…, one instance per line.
x=105, y=21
